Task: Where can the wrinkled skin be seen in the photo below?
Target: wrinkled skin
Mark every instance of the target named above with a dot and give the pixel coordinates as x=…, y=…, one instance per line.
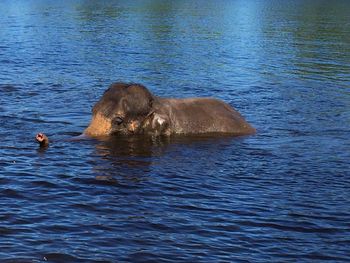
x=133, y=109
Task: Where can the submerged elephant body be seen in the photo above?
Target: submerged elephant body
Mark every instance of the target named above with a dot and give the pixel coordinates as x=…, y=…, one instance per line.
x=133, y=109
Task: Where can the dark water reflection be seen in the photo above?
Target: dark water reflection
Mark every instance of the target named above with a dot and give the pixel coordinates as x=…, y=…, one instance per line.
x=279, y=196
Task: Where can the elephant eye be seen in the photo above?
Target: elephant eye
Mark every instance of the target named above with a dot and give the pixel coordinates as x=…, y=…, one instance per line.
x=118, y=120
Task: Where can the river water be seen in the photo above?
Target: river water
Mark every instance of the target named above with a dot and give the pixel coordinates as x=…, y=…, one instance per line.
x=279, y=196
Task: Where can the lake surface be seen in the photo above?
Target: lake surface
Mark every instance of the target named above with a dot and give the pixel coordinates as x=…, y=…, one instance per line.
x=282, y=195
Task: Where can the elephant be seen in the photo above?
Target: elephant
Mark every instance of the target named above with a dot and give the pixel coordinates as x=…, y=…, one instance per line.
x=133, y=109
x=130, y=108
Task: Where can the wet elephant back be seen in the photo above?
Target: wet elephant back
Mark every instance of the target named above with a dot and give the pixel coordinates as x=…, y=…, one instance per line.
x=205, y=115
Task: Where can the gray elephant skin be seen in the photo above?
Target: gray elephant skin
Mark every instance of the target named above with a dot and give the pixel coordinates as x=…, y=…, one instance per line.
x=128, y=108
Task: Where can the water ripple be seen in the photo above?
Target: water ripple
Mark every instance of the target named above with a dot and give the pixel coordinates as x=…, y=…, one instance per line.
x=279, y=196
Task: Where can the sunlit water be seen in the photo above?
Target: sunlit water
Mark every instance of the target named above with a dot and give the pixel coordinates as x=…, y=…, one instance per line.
x=279, y=196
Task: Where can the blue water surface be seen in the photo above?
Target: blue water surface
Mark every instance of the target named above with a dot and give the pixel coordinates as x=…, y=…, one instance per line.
x=281, y=195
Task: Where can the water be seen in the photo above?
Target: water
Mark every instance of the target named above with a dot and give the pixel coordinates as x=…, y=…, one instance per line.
x=279, y=196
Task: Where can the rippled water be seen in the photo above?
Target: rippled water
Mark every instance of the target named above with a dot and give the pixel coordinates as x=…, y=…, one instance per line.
x=279, y=196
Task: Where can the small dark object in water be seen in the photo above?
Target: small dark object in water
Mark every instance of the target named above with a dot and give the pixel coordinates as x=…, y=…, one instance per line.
x=42, y=139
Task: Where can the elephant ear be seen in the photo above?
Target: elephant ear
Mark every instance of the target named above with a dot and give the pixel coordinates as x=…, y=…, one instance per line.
x=138, y=100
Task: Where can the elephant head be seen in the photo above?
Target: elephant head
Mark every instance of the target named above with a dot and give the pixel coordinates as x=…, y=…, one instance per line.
x=123, y=109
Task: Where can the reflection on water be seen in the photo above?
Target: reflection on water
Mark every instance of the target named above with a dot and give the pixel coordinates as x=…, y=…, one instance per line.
x=148, y=146
x=281, y=195
x=127, y=158
x=121, y=156
x=132, y=146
